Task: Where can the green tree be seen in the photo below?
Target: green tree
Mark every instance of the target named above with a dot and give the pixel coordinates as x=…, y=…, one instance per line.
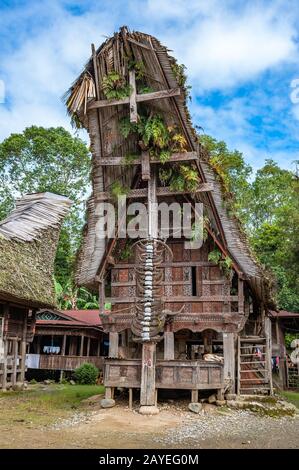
x=39, y=160
x=273, y=228
x=72, y=297
x=268, y=206
x=233, y=172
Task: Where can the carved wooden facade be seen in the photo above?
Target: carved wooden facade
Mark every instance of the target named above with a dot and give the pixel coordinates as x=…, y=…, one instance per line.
x=199, y=308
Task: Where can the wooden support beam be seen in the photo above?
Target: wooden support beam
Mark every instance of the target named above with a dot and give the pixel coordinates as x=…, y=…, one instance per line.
x=88, y=347
x=82, y=345
x=268, y=335
x=168, y=345
x=133, y=102
x=4, y=368
x=23, y=361
x=63, y=345
x=38, y=341
x=148, y=384
x=113, y=344
x=145, y=166
x=175, y=157
x=101, y=295
x=162, y=191
x=241, y=295
x=130, y=398
x=156, y=95
x=229, y=359
x=182, y=298
x=15, y=353
x=194, y=396
x=99, y=348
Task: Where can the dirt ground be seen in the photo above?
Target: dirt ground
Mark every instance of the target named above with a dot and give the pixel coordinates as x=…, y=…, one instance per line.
x=89, y=426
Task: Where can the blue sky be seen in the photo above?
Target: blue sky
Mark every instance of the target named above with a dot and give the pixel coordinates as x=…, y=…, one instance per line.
x=241, y=58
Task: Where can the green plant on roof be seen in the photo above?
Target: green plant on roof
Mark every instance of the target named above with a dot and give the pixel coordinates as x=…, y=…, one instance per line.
x=199, y=229
x=224, y=263
x=138, y=66
x=130, y=158
x=143, y=89
x=117, y=190
x=179, y=71
x=154, y=135
x=165, y=175
x=114, y=86
x=191, y=177
x=127, y=251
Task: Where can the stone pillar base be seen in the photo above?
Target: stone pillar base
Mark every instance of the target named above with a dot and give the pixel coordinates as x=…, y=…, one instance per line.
x=148, y=410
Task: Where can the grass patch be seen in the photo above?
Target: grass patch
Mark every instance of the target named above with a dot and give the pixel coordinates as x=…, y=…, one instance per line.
x=292, y=397
x=42, y=404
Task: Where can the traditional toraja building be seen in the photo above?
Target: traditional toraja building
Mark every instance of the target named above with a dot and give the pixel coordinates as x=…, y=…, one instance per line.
x=64, y=340
x=191, y=319
x=28, y=242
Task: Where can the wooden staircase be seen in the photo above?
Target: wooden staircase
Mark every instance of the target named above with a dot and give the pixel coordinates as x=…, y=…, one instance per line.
x=254, y=366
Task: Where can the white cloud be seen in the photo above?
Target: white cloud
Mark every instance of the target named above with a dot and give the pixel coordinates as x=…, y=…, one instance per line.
x=223, y=44
x=41, y=69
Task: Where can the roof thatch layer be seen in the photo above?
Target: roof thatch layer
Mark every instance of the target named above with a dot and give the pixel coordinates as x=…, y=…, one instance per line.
x=161, y=72
x=28, y=242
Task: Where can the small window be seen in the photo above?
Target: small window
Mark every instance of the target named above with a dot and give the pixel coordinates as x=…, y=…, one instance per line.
x=193, y=281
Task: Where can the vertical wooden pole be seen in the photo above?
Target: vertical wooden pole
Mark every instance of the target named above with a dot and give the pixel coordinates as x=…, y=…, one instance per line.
x=88, y=347
x=133, y=103
x=38, y=341
x=82, y=345
x=99, y=347
x=23, y=350
x=23, y=361
x=148, y=364
x=15, y=350
x=4, y=376
x=130, y=398
x=239, y=366
x=113, y=344
x=194, y=396
x=268, y=336
x=168, y=345
x=63, y=345
x=241, y=296
x=229, y=359
x=102, y=296
x=148, y=382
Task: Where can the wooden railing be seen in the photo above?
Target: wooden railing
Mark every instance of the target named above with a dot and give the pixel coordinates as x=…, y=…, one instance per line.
x=189, y=375
x=55, y=362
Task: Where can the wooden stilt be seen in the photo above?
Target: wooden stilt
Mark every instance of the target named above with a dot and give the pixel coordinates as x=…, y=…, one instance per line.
x=229, y=359
x=82, y=345
x=15, y=349
x=4, y=376
x=113, y=344
x=147, y=393
x=194, y=396
x=130, y=398
x=168, y=345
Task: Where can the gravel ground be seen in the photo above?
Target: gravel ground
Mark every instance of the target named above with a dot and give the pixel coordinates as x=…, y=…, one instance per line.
x=232, y=430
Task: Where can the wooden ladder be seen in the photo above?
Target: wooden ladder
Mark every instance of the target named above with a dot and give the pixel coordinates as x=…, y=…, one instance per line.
x=254, y=366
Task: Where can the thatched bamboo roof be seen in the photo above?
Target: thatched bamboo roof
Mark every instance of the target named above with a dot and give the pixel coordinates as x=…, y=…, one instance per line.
x=28, y=242
x=161, y=73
